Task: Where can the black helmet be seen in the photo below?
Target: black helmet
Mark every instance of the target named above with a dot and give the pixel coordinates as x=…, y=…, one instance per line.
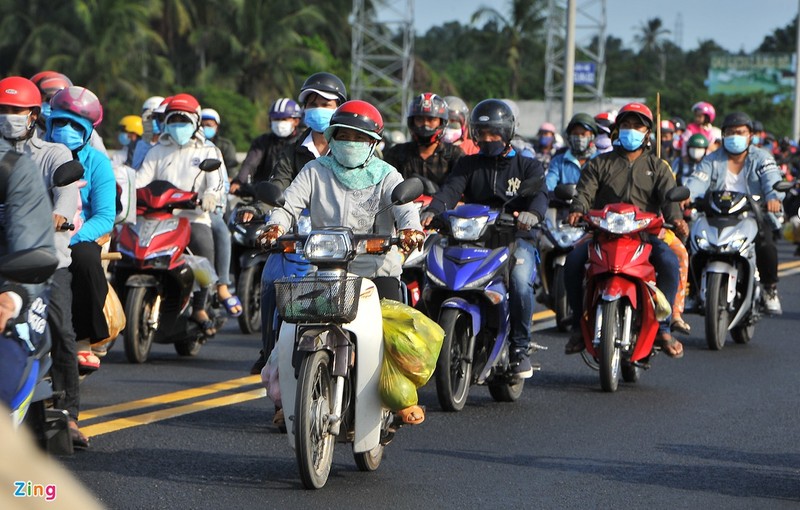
x=582, y=119
x=680, y=124
x=495, y=115
x=757, y=126
x=737, y=119
x=427, y=104
x=326, y=85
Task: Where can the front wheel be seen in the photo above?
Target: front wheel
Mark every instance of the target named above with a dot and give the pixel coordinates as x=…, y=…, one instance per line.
x=717, y=314
x=560, y=303
x=139, y=330
x=610, y=332
x=248, y=287
x=188, y=347
x=313, y=440
x=369, y=461
x=506, y=392
x=453, y=370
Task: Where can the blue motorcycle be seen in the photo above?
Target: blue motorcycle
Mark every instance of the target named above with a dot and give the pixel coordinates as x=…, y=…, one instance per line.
x=467, y=277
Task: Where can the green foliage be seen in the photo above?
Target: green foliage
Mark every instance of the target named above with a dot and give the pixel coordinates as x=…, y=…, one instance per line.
x=236, y=112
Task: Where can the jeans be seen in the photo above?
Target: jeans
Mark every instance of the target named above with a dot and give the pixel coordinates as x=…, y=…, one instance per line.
x=521, y=293
x=662, y=257
x=222, y=247
x=201, y=243
x=63, y=352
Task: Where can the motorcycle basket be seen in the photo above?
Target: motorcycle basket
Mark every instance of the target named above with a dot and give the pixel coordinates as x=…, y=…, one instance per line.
x=318, y=299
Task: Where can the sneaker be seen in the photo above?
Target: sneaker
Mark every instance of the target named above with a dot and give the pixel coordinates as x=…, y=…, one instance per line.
x=771, y=301
x=259, y=365
x=521, y=367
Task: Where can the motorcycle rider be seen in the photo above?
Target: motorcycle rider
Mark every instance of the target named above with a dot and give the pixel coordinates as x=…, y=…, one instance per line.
x=565, y=167
x=704, y=115
x=696, y=150
x=604, y=122
x=491, y=177
x=739, y=166
x=546, y=143
x=210, y=122
x=284, y=115
x=181, y=148
x=426, y=155
x=668, y=150
x=152, y=130
x=19, y=111
x=632, y=174
x=130, y=133
x=457, y=130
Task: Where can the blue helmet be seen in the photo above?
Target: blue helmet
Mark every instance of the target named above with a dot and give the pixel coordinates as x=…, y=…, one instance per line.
x=285, y=108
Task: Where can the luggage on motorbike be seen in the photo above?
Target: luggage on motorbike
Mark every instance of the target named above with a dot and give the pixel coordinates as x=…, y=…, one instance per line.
x=269, y=377
x=204, y=273
x=412, y=342
x=115, y=316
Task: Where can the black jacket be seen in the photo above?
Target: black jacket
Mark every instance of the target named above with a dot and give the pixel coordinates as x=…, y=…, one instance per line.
x=406, y=159
x=293, y=158
x=262, y=157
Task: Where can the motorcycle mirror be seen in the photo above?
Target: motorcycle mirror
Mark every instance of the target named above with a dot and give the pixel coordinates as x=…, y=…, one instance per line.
x=407, y=191
x=565, y=191
x=67, y=173
x=210, y=164
x=270, y=194
x=783, y=186
x=34, y=265
x=678, y=194
x=429, y=187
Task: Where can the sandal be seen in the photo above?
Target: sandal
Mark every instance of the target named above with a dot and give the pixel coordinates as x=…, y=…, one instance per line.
x=87, y=362
x=669, y=346
x=575, y=343
x=79, y=440
x=412, y=415
x=680, y=326
x=206, y=326
x=279, y=420
x=230, y=303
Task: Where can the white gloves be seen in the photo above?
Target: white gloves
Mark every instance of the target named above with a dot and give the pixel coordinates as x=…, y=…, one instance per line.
x=526, y=220
x=209, y=202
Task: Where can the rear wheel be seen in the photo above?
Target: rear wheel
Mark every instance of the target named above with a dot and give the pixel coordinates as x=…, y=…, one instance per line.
x=453, y=371
x=717, y=314
x=369, y=461
x=313, y=440
x=560, y=303
x=139, y=330
x=248, y=287
x=610, y=355
x=743, y=333
x=507, y=392
x=188, y=347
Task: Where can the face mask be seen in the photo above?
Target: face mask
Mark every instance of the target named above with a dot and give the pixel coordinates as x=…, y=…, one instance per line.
x=45, y=110
x=451, y=135
x=68, y=136
x=318, y=119
x=696, y=153
x=350, y=154
x=13, y=127
x=580, y=145
x=735, y=144
x=282, y=128
x=545, y=140
x=756, y=140
x=123, y=139
x=156, y=128
x=631, y=139
x=209, y=132
x=181, y=132
x=602, y=142
x=491, y=148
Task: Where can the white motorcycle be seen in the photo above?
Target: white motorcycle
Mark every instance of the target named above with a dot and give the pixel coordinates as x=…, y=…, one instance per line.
x=330, y=347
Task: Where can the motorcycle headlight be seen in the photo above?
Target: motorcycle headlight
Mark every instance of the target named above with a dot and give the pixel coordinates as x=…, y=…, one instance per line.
x=567, y=236
x=436, y=281
x=702, y=243
x=736, y=244
x=467, y=229
x=617, y=223
x=160, y=259
x=327, y=247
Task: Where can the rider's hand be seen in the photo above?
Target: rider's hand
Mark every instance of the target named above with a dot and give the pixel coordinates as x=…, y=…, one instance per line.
x=58, y=220
x=574, y=218
x=267, y=238
x=209, y=202
x=234, y=187
x=426, y=218
x=8, y=309
x=774, y=205
x=686, y=203
x=681, y=228
x=245, y=214
x=526, y=220
x=411, y=239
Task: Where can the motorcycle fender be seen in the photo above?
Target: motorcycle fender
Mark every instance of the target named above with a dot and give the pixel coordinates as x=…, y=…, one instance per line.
x=473, y=310
x=251, y=258
x=719, y=266
x=615, y=287
x=141, y=280
x=284, y=353
x=560, y=260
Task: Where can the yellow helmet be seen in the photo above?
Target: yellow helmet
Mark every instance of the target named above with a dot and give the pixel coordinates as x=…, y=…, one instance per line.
x=132, y=124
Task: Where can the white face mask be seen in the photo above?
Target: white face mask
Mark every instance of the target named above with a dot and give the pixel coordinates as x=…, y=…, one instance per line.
x=282, y=128
x=451, y=135
x=696, y=154
x=14, y=126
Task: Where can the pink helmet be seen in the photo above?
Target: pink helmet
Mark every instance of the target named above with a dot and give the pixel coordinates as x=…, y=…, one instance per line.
x=81, y=102
x=706, y=108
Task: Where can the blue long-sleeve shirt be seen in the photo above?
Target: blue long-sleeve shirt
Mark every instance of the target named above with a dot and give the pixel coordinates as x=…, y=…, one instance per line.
x=98, y=197
x=564, y=168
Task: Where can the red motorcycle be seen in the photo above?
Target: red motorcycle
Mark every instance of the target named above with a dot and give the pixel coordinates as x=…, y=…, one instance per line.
x=622, y=305
x=154, y=278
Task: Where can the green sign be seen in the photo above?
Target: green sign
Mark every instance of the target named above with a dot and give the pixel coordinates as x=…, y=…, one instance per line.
x=772, y=73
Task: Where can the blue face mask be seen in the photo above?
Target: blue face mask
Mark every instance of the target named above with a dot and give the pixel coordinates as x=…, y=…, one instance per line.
x=735, y=144
x=756, y=140
x=68, y=135
x=545, y=140
x=156, y=128
x=45, y=110
x=209, y=132
x=181, y=132
x=350, y=154
x=318, y=119
x=123, y=139
x=631, y=139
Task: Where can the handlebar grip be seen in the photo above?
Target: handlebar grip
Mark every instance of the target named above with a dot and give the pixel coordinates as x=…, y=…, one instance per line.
x=66, y=226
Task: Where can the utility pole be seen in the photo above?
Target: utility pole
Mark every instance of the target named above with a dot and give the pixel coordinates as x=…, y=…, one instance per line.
x=569, y=64
x=796, y=118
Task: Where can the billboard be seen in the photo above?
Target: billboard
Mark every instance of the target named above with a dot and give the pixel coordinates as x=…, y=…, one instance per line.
x=772, y=73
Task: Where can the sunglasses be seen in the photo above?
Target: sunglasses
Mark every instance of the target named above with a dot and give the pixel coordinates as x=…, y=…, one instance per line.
x=61, y=122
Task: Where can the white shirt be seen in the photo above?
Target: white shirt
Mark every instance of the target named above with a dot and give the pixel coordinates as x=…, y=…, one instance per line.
x=735, y=182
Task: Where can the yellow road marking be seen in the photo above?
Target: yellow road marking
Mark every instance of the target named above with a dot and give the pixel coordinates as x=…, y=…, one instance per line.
x=545, y=314
x=169, y=398
x=147, y=418
x=789, y=265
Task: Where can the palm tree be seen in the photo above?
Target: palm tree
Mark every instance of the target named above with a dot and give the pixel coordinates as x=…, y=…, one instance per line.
x=651, y=39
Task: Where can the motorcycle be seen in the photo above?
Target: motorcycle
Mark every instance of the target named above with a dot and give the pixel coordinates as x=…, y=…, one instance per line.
x=154, y=279
x=413, y=263
x=330, y=347
x=723, y=258
x=467, y=289
x=622, y=305
x=556, y=241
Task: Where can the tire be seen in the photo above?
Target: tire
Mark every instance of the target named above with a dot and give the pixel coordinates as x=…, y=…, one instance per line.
x=506, y=392
x=188, y=347
x=369, y=461
x=560, y=303
x=630, y=372
x=717, y=314
x=453, y=372
x=138, y=334
x=248, y=287
x=743, y=333
x=610, y=355
x=313, y=441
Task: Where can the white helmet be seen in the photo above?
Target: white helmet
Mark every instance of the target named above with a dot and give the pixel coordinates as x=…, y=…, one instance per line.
x=152, y=103
x=209, y=114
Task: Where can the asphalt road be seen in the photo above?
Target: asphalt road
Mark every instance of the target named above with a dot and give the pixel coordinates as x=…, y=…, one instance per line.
x=712, y=430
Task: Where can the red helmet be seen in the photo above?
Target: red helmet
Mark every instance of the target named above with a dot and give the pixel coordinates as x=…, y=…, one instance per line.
x=50, y=82
x=358, y=115
x=20, y=92
x=667, y=126
x=705, y=108
x=638, y=109
x=80, y=101
x=183, y=103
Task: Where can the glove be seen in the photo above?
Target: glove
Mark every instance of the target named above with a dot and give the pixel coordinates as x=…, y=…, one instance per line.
x=209, y=202
x=426, y=218
x=526, y=220
x=574, y=218
x=267, y=238
x=411, y=239
x=246, y=214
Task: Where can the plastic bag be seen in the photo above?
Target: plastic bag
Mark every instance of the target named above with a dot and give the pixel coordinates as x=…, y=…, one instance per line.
x=269, y=377
x=115, y=316
x=204, y=273
x=412, y=342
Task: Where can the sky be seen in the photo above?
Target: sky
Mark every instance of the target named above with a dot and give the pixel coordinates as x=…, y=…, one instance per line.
x=733, y=24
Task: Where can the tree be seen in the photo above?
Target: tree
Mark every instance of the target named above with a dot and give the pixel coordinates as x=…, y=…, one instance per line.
x=651, y=40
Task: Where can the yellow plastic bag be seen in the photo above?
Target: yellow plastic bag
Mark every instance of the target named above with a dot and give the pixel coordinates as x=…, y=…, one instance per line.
x=412, y=342
x=115, y=316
